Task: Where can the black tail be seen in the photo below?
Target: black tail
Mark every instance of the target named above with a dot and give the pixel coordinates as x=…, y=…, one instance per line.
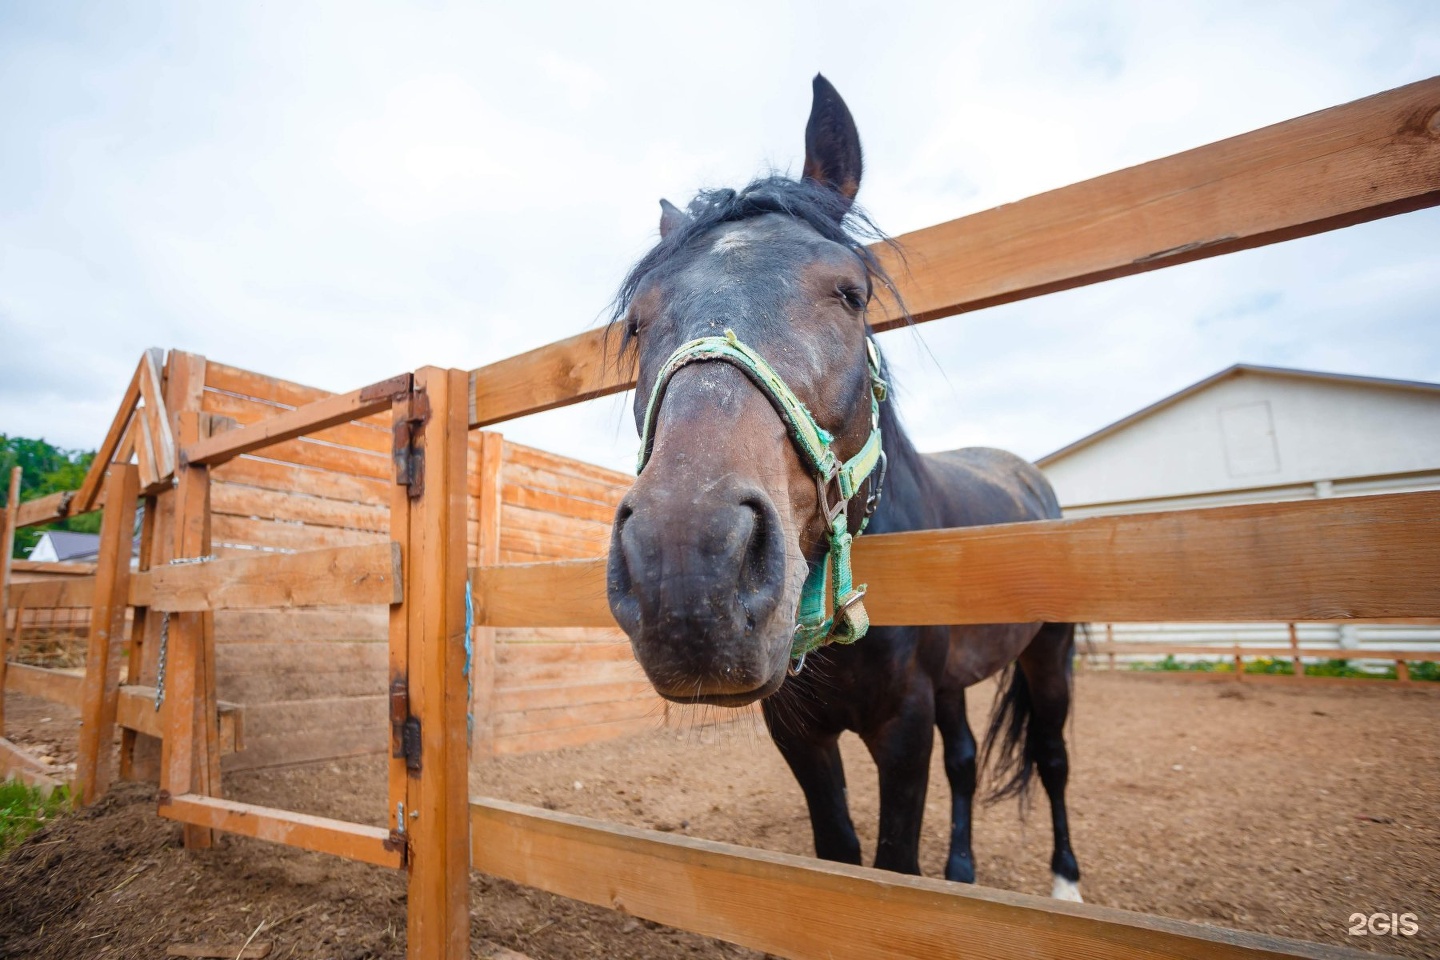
x=1008, y=754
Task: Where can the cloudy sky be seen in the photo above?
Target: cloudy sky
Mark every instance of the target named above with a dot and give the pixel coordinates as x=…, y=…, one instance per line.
x=336, y=192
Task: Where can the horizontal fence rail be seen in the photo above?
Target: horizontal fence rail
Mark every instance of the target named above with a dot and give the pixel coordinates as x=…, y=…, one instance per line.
x=330, y=576
x=799, y=907
x=307, y=419
x=135, y=704
x=1361, y=161
x=353, y=841
x=1368, y=558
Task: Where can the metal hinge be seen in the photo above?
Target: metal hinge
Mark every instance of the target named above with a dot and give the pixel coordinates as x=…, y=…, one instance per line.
x=408, y=454
x=404, y=729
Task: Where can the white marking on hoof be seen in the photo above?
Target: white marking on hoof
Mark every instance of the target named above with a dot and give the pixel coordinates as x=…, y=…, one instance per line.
x=1066, y=890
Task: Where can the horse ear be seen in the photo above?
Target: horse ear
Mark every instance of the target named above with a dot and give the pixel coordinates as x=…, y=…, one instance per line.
x=671, y=217
x=832, y=144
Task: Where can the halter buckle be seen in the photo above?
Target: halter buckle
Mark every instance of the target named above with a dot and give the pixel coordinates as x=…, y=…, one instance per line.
x=829, y=509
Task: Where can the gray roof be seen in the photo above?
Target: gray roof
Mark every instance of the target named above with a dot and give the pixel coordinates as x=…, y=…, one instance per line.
x=74, y=546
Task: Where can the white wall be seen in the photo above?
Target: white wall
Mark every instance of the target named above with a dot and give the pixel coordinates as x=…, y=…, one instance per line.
x=1254, y=430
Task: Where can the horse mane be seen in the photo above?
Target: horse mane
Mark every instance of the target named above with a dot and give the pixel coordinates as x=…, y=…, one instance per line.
x=818, y=206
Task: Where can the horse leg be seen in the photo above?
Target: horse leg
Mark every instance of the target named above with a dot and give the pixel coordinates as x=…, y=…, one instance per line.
x=901, y=747
x=818, y=769
x=1046, y=663
x=960, y=769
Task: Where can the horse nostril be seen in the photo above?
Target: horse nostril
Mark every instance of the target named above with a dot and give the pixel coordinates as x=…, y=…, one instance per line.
x=762, y=563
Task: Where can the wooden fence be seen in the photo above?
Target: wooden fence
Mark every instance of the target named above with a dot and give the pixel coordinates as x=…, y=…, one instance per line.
x=1365, y=557
x=310, y=683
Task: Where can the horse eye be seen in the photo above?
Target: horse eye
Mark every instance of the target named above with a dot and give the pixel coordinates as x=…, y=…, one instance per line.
x=853, y=298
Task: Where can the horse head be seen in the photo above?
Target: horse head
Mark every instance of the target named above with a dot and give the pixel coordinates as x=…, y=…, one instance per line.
x=756, y=400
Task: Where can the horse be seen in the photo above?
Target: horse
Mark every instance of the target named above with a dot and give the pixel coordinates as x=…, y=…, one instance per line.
x=768, y=443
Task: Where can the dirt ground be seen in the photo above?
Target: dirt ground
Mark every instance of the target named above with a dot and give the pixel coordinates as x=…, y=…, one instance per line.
x=1279, y=809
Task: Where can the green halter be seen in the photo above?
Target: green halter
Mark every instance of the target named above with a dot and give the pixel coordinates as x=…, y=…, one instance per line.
x=848, y=620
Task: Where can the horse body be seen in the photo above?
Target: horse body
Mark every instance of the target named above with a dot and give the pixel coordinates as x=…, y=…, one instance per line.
x=716, y=542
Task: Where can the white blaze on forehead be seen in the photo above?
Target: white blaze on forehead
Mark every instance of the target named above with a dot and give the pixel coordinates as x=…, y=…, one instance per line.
x=734, y=240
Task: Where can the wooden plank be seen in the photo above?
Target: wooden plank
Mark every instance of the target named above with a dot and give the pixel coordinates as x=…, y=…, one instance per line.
x=17, y=763
x=352, y=841
x=257, y=503
x=562, y=593
x=543, y=460
x=335, y=575
x=519, y=475
x=53, y=594
x=8, y=517
x=52, y=684
x=189, y=752
x=286, y=535
x=438, y=920
x=308, y=452
x=1350, y=558
x=293, y=478
x=135, y=711
x=85, y=497
x=517, y=676
x=485, y=482
x=291, y=424
x=95, y=761
x=355, y=435
x=272, y=390
x=154, y=413
x=46, y=509
x=533, y=499
x=300, y=670
x=301, y=624
x=749, y=897
x=550, y=546
x=52, y=569
x=586, y=532
x=1364, y=160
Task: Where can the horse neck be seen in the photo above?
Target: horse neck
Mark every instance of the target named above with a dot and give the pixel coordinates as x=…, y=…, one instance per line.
x=907, y=480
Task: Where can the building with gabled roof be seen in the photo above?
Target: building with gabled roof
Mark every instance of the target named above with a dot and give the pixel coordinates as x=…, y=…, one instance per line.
x=1252, y=433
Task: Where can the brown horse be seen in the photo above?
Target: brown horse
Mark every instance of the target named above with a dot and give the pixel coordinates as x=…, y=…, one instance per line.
x=731, y=518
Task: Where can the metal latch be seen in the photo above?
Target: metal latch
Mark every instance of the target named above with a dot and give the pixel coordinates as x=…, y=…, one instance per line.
x=408, y=454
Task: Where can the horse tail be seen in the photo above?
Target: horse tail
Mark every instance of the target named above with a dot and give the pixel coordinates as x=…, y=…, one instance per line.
x=1008, y=752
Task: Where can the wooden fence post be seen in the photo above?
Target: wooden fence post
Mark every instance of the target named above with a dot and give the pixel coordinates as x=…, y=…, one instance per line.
x=1297, y=666
x=190, y=753
x=184, y=376
x=486, y=488
x=139, y=625
x=1110, y=642
x=7, y=546
x=94, y=767
x=429, y=511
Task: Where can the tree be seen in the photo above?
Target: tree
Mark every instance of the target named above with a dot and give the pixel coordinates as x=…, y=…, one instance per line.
x=45, y=469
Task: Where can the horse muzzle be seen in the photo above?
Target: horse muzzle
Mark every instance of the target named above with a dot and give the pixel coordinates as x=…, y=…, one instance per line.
x=697, y=578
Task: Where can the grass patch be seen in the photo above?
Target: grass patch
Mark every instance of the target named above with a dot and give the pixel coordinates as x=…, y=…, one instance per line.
x=1282, y=667
x=25, y=809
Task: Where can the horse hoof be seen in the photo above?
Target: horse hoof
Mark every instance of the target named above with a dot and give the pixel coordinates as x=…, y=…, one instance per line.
x=1066, y=890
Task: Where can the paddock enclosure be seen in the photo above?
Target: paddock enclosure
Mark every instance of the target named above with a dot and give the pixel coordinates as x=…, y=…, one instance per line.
x=379, y=557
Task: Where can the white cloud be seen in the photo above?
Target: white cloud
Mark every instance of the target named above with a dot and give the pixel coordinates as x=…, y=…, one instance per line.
x=334, y=193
